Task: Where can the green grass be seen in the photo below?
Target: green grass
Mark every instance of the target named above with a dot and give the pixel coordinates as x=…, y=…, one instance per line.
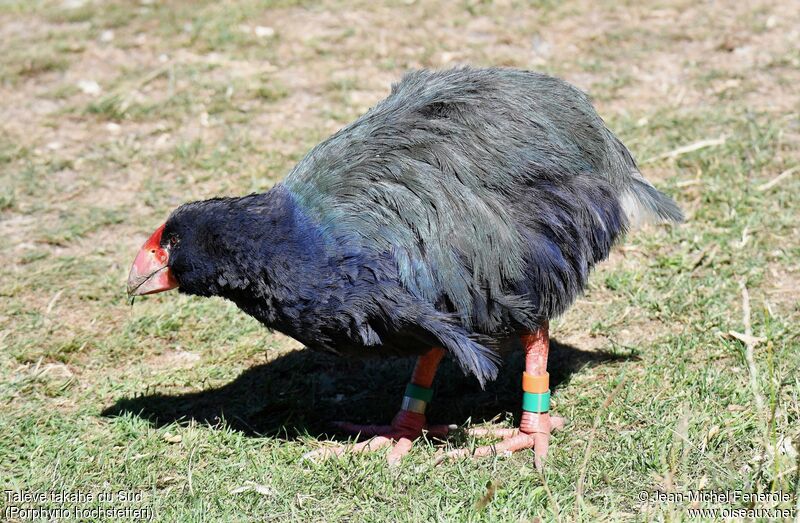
x=196, y=406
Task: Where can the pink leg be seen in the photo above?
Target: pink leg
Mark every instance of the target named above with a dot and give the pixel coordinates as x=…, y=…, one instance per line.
x=406, y=426
x=535, y=427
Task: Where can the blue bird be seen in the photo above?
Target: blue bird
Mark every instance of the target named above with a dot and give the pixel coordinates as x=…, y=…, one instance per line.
x=464, y=210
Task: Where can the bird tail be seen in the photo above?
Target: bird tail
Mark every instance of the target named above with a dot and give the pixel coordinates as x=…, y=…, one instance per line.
x=643, y=203
x=640, y=201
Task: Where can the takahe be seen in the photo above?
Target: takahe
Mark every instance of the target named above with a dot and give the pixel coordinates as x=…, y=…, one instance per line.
x=463, y=210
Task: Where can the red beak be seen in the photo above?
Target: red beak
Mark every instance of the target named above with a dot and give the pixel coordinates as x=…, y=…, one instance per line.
x=150, y=273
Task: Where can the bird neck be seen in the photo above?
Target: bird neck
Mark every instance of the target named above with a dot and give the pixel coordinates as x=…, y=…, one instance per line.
x=283, y=255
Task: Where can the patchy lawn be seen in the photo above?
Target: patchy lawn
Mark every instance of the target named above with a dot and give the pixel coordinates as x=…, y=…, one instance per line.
x=115, y=112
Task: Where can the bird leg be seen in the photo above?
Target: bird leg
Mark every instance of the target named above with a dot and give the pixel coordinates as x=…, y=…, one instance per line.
x=536, y=424
x=408, y=425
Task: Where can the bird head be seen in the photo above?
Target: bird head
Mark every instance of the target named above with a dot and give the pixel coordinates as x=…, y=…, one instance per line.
x=151, y=272
x=190, y=251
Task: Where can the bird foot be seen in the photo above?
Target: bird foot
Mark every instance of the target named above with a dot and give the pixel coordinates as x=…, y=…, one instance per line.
x=400, y=435
x=534, y=433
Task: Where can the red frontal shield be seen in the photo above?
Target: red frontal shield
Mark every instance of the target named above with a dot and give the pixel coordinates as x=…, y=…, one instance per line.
x=150, y=271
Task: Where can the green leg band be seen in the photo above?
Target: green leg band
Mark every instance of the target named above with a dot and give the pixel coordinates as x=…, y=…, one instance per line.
x=536, y=402
x=419, y=393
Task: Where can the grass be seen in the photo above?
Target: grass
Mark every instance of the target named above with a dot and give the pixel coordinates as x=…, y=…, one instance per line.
x=205, y=413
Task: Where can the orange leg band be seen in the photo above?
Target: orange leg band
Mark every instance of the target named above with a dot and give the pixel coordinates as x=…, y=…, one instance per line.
x=535, y=384
x=426, y=367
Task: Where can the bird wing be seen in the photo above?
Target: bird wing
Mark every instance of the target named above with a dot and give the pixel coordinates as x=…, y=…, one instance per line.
x=491, y=189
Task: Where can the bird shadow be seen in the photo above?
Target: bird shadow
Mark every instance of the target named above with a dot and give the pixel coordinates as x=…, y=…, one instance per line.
x=302, y=392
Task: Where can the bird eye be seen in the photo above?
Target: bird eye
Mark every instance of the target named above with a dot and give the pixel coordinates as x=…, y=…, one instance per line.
x=173, y=240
